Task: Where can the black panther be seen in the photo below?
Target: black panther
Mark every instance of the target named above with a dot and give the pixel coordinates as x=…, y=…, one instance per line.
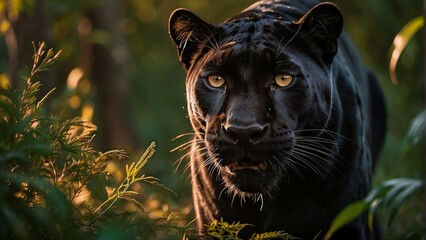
x=288, y=121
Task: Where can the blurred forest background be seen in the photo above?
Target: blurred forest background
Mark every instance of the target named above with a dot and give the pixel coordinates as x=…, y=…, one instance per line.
x=119, y=69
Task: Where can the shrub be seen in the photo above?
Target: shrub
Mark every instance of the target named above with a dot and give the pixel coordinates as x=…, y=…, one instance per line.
x=53, y=184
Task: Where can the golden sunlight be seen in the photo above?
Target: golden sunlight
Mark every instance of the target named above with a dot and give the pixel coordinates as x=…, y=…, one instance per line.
x=74, y=77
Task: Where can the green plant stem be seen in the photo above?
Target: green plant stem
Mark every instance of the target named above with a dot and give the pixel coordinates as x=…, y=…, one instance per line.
x=131, y=173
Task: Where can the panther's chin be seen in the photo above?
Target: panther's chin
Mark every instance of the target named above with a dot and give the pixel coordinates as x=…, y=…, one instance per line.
x=247, y=179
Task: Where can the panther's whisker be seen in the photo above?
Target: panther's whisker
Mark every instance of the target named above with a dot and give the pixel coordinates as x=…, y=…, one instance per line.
x=291, y=163
x=223, y=189
x=212, y=167
x=178, y=162
x=302, y=159
x=186, y=145
x=311, y=143
x=315, y=158
x=326, y=145
x=233, y=198
x=315, y=139
x=330, y=133
x=311, y=152
x=317, y=148
x=193, y=143
x=279, y=162
x=314, y=148
x=184, y=135
x=242, y=201
x=198, y=169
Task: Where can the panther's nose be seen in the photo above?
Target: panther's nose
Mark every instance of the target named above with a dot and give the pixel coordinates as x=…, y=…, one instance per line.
x=246, y=135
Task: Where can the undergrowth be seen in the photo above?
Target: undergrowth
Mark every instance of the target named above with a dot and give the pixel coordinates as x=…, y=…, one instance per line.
x=220, y=229
x=53, y=184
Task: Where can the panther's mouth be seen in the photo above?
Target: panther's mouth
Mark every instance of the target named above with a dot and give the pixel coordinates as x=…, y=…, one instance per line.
x=240, y=166
x=247, y=177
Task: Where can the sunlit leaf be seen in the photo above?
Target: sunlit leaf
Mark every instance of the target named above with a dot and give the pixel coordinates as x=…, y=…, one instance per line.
x=347, y=215
x=401, y=41
x=123, y=192
x=134, y=201
x=172, y=215
x=371, y=213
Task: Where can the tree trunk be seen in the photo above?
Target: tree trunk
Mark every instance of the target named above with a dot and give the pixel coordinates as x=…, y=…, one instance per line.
x=30, y=26
x=109, y=68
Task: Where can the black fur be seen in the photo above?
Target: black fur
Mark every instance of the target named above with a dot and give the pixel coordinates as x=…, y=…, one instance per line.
x=279, y=158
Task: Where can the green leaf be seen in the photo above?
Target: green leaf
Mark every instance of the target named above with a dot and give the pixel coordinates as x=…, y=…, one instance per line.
x=134, y=201
x=371, y=213
x=392, y=193
x=417, y=129
x=401, y=196
x=401, y=41
x=348, y=214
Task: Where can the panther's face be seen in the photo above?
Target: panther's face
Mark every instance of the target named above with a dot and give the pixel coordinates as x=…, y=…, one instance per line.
x=259, y=94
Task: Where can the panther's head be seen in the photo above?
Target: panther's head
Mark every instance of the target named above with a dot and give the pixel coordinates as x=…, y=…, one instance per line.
x=259, y=92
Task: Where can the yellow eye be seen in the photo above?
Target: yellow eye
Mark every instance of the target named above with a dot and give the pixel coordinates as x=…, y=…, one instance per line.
x=216, y=80
x=283, y=79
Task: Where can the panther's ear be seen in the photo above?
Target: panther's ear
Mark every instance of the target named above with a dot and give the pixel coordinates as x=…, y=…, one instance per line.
x=323, y=25
x=188, y=31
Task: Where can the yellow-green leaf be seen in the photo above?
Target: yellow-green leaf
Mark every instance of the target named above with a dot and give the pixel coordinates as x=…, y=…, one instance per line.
x=348, y=214
x=401, y=41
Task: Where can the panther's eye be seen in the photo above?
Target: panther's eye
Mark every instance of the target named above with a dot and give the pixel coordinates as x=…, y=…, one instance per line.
x=283, y=79
x=216, y=80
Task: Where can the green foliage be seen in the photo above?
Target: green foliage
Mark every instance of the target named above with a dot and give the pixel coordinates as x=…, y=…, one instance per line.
x=32, y=162
x=123, y=192
x=391, y=194
x=229, y=231
x=51, y=180
x=224, y=230
x=417, y=130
